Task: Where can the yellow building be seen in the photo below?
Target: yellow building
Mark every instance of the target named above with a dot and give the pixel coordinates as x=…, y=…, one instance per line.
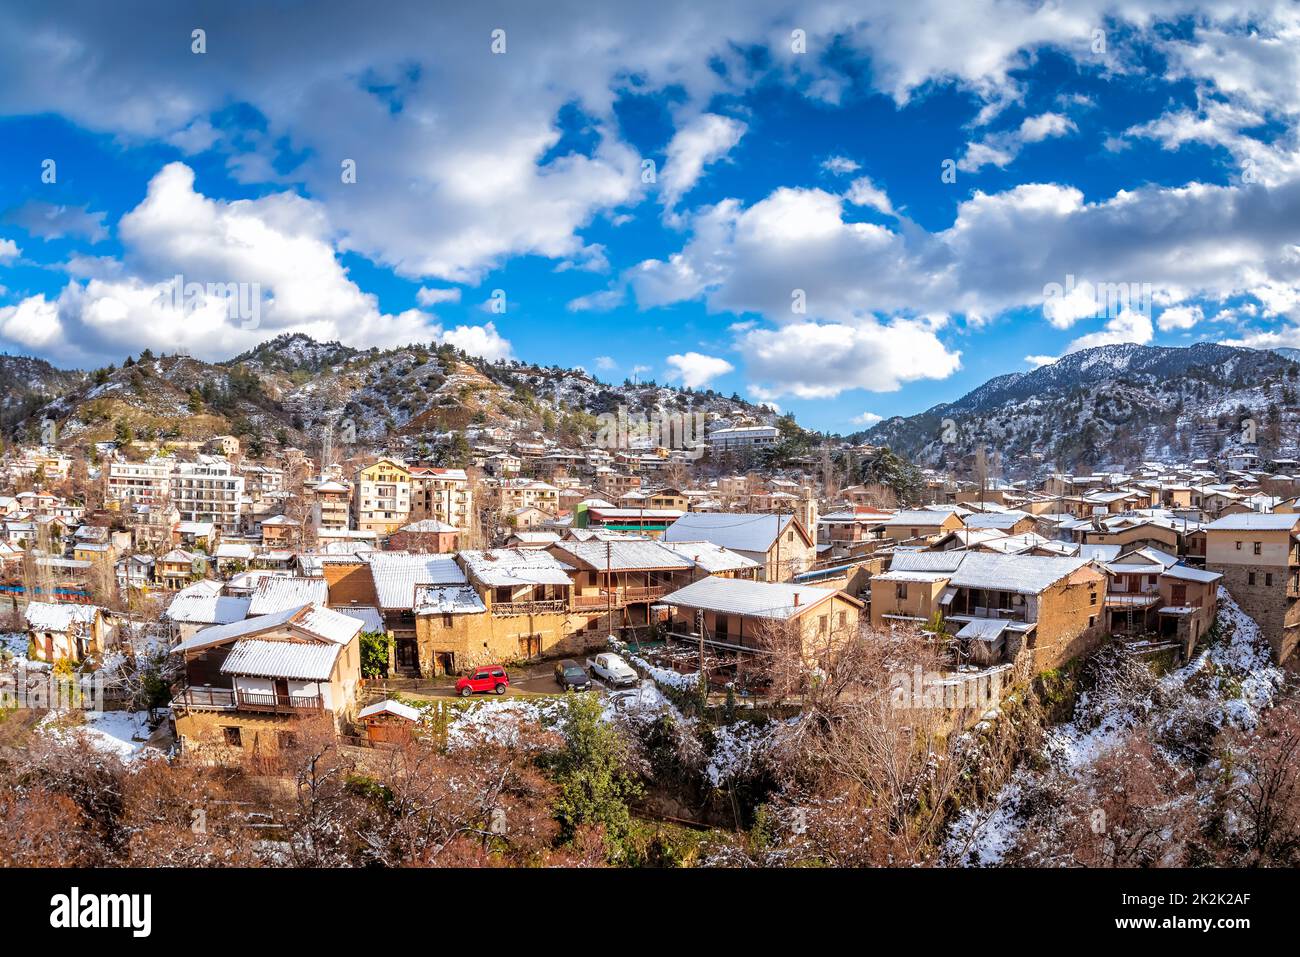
x=381, y=497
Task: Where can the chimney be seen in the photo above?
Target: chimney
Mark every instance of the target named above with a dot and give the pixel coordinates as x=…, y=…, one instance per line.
x=796, y=599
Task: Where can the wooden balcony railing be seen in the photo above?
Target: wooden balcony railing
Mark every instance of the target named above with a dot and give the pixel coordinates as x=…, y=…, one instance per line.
x=619, y=597
x=505, y=609
x=237, y=699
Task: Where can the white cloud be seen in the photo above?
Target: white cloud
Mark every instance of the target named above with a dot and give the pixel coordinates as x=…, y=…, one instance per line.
x=55, y=221
x=8, y=250
x=840, y=165
x=812, y=360
x=695, y=369
x=601, y=301
x=704, y=140
x=867, y=419
x=1179, y=317
x=1130, y=326
x=999, y=149
x=481, y=340
x=1039, y=361
x=429, y=296
x=863, y=192
x=605, y=363
x=274, y=251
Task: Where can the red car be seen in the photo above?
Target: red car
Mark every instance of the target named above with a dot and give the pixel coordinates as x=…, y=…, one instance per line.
x=491, y=678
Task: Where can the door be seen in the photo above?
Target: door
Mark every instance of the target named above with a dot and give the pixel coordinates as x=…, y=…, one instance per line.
x=282, y=692
x=408, y=655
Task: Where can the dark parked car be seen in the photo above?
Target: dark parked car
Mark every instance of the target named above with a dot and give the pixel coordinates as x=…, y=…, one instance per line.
x=571, y=676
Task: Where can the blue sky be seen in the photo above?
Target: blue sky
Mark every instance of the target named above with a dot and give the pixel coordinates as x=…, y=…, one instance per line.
x=796, y=239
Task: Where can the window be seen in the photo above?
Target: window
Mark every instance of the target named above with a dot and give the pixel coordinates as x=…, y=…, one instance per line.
x=1258, y=547
x=232, y=737
x=1238, y=546
x=1092, y=597
x=1250, y=578
x=822, y=622
x=900, y=591
x=1092, y=620
x=1268, y=579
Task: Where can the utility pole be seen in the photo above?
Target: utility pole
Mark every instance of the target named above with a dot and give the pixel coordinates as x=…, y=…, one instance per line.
x=609, y=612
x=699, y=627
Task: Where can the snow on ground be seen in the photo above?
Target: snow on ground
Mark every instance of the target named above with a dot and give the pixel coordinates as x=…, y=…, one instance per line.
x=1231, y=682
x=739, y=749
x=501, y=721
x=13, y=642
x=111, y=731
x=666, y=677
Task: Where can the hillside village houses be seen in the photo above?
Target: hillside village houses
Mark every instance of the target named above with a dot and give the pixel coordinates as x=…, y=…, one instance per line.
x=267, y=574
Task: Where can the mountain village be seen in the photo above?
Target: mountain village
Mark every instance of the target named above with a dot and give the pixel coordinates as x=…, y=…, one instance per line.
x=221, y=605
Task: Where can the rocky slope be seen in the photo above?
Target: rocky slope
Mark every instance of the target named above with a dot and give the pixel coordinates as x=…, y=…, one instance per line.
x=289, y=389
x=1116, y=404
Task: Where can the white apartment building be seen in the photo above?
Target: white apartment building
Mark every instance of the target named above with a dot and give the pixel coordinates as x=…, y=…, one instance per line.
x=442, y=494
x=140, y=483
x=743, y=437
x=208, y=491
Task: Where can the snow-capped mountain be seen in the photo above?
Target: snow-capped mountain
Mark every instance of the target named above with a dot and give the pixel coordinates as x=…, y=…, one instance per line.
x=291, y=387
x=1111, y=404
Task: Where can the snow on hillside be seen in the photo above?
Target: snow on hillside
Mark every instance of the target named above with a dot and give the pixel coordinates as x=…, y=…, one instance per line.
x=1227, y=684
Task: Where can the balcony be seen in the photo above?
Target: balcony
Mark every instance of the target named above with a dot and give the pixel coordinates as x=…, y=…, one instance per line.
x=618, y=598
x=237, y=699
x=506, y=609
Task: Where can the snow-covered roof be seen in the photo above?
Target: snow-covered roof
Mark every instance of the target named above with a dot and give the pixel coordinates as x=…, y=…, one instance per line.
x=516, y=566
x=306, y=661
x=1188, y=573
x=234, y=550
x=739, y=531
x=983, y=629
x=389, y=706
x=447, y=600
x=428, y=526
x=624, y=554
x=281, y=520
x=59, y=616
x=206, y=609
x=919, y=517
x=312, y=621
x=1254, y=522
x=1023, y=574
x=739, y=596
x=997, y=520
x=396, y=575
x=369, y=616
x=711, y=557
x=283, y=591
